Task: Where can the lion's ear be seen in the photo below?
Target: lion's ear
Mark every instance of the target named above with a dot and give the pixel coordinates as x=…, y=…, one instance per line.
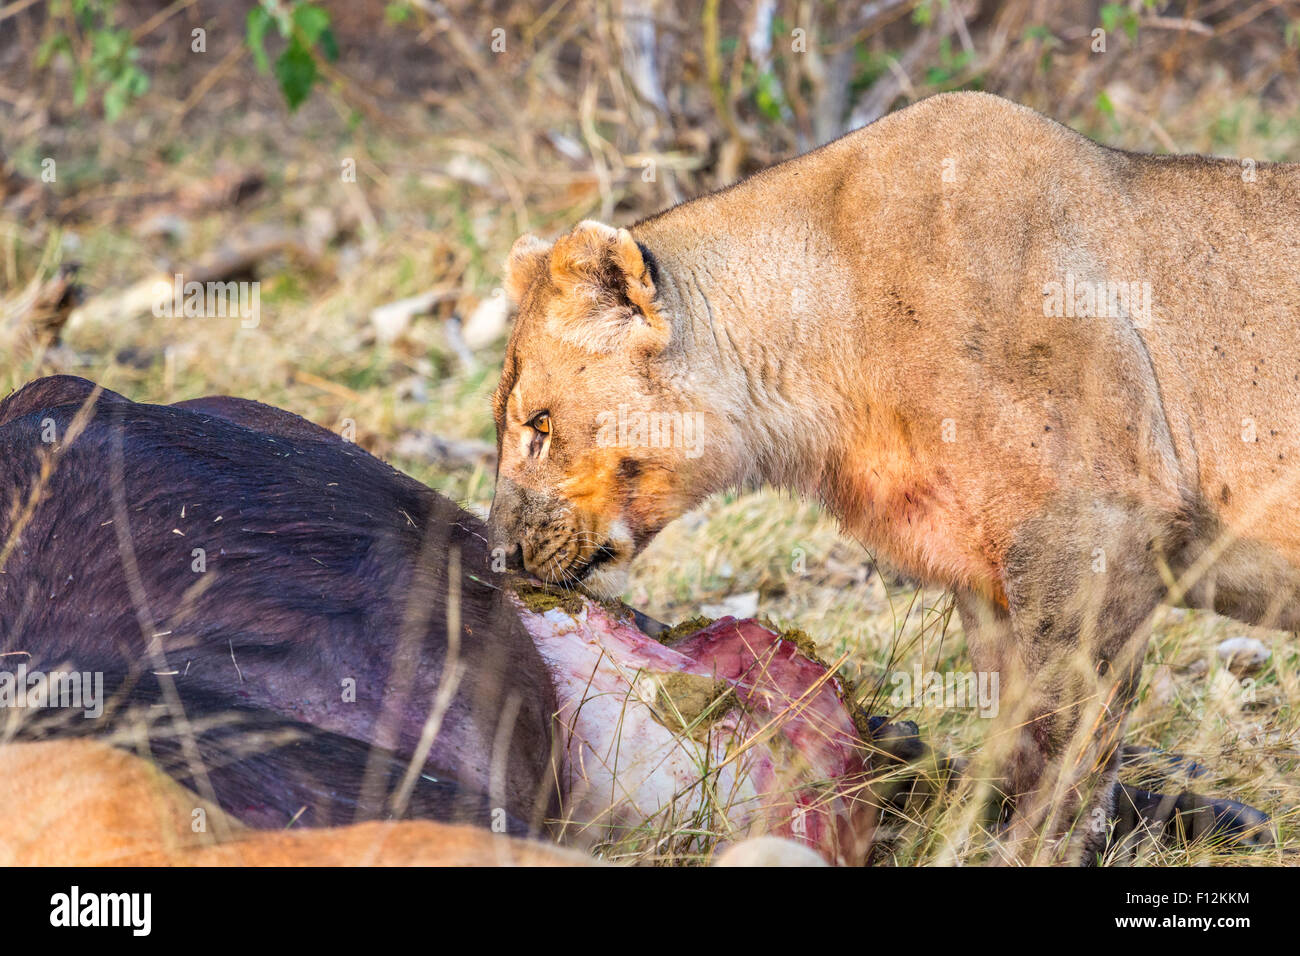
x=607, y=291
x=525, y=263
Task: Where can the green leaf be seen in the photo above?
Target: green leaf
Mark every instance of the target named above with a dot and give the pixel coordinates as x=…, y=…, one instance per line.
x=114, y=101
x=1117, y=16
x=58, y=43
x=138, y=83
x=768, y=96
x=296, y=71
x=258, y=21
x=311, y=20
x=329, y=46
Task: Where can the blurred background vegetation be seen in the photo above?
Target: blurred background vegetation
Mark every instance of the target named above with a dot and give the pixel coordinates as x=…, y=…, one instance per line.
x=369, y=163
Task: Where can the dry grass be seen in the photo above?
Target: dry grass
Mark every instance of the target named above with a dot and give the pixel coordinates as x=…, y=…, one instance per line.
x=457, y=151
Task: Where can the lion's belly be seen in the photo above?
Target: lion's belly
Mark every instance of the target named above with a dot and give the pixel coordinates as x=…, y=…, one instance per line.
x=1232, y=397
x=916, y=516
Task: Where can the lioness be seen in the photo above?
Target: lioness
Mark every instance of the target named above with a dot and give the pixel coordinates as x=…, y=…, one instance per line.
x=1057, y=378
x=84, y=803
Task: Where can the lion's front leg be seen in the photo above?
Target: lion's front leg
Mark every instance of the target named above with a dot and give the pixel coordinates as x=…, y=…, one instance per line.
x=1081, y=584
x=1063, y=763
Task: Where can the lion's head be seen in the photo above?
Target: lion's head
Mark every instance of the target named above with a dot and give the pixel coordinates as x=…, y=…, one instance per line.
x=600, y=436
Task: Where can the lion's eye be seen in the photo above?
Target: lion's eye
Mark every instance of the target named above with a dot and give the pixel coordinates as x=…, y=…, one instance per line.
x=536, y=437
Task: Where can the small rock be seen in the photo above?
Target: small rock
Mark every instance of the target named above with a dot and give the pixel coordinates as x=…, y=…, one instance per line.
x=391, y=320
x=446, y=452
x=319, y=229
x=488, y=322
x=1243, y=655
x=694, y=521
x=1162, y=689
x=456, y=342
x=1226, y=693
x=165, y=225
x=470, y=170
x=568, y=147
x=412, y=388
x=769, y=851
x=733, y=605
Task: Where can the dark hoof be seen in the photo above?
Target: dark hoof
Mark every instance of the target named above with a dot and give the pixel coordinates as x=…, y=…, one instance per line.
x=1187, y=818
